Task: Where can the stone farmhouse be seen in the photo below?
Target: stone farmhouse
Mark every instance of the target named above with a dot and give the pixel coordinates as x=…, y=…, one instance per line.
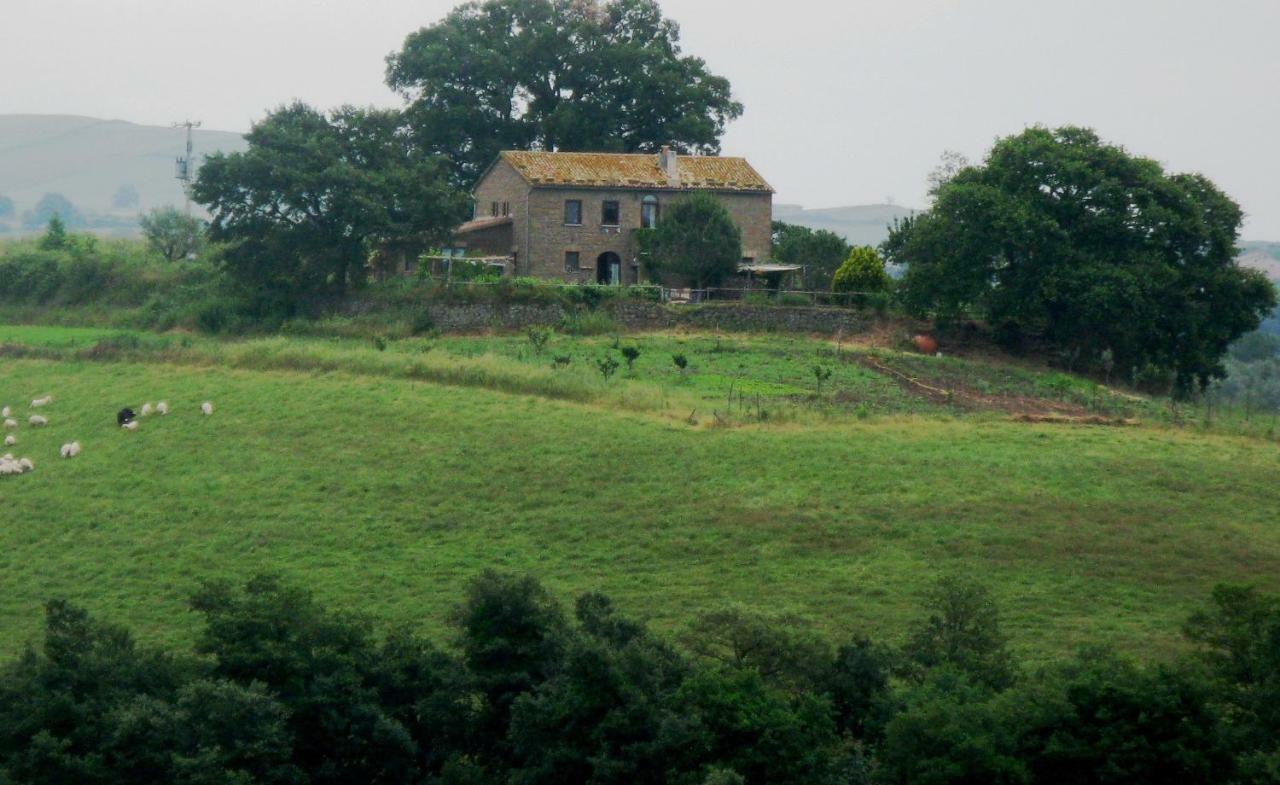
x=575, y=216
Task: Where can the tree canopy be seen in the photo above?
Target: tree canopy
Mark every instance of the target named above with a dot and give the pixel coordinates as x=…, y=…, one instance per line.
x=171, y=233
x=557, y=74
x=1060, y=238
x=280, y=690
x=862, y=271
x=50, y=205
x=819, y=251
x=696, y=241
x=315, y=194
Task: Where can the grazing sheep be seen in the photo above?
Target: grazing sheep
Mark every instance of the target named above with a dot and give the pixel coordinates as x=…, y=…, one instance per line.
x=9, y=466
x=147, y=409
x=124, y=416
x=132, y=425
x=45, y=401
x=10, y=424
x=10, y=440
x=6, y=412
x=162, y=408
x=207, y=408
x=70, y=450
x=36, y=421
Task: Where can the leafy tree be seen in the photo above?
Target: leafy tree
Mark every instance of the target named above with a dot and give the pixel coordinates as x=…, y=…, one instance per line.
x=1102, y=720
x=1058, y=237
x=57, y=705
x=321, y=667
x=303, y=208
x=55, y=236
x=962, y=631
x=820, y=252
x=575, y=75
x=697, y=241
x=1239, y=644
x=950, y=730
x=51, y=205
x=949, y=165
x=172, y=233
x=736, y=721
x=609, y=713
x=858, y=683
x=512, y=635
x=7, y=209
x=780, y=648
x=126, y=198
x=862, y=272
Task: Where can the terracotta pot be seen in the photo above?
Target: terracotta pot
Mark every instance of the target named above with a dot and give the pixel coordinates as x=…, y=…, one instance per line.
x=925, y=344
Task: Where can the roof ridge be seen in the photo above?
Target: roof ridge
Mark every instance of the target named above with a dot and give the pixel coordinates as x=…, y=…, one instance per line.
x=683, y=156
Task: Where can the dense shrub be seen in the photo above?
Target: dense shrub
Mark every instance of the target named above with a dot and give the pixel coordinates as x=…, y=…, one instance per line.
x=862, y=272
x=279, y=689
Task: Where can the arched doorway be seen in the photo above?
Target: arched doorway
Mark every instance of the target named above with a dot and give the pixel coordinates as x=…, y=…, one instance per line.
x=609, y=269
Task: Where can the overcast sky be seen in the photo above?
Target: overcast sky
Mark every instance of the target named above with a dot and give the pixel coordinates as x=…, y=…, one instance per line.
x=847, y=102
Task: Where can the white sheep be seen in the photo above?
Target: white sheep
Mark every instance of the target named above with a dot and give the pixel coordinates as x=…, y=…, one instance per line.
x=207, y=408
x=45, y=401
x=6, y=412
x=10, y=440
x=132, y=425
x=9, y=466
x=70, y=450
x=10, y=423
x=36, y=421
x=147, y=409
x=162, y=408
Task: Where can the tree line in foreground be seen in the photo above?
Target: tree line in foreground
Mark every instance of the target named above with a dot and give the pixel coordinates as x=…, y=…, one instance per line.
x=280, y=689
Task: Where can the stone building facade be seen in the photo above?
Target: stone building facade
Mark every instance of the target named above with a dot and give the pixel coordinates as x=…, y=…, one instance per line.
x=577, y=216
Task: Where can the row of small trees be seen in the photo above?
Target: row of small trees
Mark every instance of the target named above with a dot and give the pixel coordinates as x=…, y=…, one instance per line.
x=280, y=690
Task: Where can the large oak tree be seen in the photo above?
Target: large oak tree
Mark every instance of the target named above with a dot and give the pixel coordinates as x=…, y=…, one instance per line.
x=315, y=194
x=1060, y=238
x=557, y=75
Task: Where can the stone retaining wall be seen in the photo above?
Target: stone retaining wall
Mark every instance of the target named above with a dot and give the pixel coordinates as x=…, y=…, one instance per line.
x=729, y=317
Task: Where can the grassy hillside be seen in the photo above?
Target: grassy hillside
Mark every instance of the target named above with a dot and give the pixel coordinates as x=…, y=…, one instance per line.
x=87, y=160
x=387, y=484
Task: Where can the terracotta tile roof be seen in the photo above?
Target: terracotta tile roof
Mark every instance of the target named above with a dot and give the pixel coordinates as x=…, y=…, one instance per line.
x=617, y=170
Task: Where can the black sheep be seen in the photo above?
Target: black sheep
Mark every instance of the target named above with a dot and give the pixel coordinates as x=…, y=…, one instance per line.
x=124, y=415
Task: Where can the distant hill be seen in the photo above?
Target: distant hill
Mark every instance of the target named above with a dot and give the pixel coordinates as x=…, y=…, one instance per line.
x=1262, y=256
x=88, y=161
x=859, y=225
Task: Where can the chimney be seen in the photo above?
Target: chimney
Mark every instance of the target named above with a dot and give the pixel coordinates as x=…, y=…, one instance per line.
x=670, y=164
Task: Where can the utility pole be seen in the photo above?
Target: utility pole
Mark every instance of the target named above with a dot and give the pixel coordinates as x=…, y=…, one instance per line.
x=185, y=166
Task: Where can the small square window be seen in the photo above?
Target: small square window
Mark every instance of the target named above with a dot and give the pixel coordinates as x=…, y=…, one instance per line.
x=573, y=212
x=493, y=209
x=572, y=262
x=610, y=214
x=506, y=208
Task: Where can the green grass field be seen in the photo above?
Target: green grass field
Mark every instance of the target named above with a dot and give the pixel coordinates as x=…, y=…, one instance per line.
x=385, y=479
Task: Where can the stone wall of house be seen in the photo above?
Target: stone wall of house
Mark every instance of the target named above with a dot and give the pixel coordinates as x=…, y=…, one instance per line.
x=550, y=238
x=640, y=316
x=502, y=184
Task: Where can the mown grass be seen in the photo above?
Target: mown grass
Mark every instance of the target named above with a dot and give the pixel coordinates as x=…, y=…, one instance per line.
x=384, y=490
